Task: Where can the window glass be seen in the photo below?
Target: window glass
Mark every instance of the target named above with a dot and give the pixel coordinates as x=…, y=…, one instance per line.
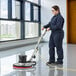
x=35, y=9
x=27, y=11
x=15, y=9
x=9, y=30
x=3, y=8
x=31, y=30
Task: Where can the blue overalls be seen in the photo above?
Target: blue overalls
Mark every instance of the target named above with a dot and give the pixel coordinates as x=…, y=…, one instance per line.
x=56, y=38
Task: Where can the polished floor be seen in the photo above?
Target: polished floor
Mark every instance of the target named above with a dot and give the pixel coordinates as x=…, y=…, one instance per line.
x=8, y=57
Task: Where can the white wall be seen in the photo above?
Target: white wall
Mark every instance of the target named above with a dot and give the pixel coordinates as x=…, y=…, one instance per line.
x=46, y=14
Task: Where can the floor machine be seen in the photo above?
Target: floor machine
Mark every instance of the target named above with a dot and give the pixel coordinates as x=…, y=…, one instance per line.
x=23, y=63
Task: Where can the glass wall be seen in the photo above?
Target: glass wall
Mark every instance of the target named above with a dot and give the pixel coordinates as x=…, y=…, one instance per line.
x=15, y=9
x=31, y=30
x=35, y=13
x=3, y=8
x=19, y=19
x=27, y=11
x=9, y=30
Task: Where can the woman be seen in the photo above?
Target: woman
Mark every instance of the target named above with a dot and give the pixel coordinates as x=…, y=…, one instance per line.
x=57, y=35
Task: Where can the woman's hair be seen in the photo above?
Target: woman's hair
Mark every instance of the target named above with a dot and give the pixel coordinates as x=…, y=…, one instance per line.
x=56, y=8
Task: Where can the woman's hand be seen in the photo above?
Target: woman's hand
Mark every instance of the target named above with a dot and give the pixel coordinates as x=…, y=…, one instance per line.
x=43, y=28
x=48, y=29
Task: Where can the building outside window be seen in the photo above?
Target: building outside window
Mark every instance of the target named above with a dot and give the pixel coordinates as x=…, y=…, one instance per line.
x=31, y=31
x=9, y=30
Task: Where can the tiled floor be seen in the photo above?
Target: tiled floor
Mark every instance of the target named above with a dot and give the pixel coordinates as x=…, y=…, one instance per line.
x=8, y=57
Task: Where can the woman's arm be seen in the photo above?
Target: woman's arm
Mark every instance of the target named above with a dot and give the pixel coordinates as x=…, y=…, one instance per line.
x=47, y=26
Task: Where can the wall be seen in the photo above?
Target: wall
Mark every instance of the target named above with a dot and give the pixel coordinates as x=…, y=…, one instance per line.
x=46, y=14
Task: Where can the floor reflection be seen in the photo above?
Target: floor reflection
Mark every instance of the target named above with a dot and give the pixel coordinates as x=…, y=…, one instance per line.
x=56, y=71
x=9, y=57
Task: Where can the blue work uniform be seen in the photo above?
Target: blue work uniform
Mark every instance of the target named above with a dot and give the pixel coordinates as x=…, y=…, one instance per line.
x=56, y=38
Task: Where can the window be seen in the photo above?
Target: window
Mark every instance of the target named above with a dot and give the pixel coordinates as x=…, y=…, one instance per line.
x=9, y=30
x=31, y=30
x=31, y=12
x=19, y=19
x=27, y=11
x=3, y=8
x=35, y=12
x=31, y=15
x=15, y=9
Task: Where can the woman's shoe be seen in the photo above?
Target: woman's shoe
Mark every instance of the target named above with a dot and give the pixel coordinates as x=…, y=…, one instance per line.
x=59, y=63
x=49, y=63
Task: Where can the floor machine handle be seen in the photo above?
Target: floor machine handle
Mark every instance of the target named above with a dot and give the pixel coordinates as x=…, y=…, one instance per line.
x=36, y=48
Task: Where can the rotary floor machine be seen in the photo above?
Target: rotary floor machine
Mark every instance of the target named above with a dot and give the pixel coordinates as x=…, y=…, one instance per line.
x=23, y=63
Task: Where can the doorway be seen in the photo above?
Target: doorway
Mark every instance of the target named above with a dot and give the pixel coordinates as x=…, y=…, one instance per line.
x=72, y=21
